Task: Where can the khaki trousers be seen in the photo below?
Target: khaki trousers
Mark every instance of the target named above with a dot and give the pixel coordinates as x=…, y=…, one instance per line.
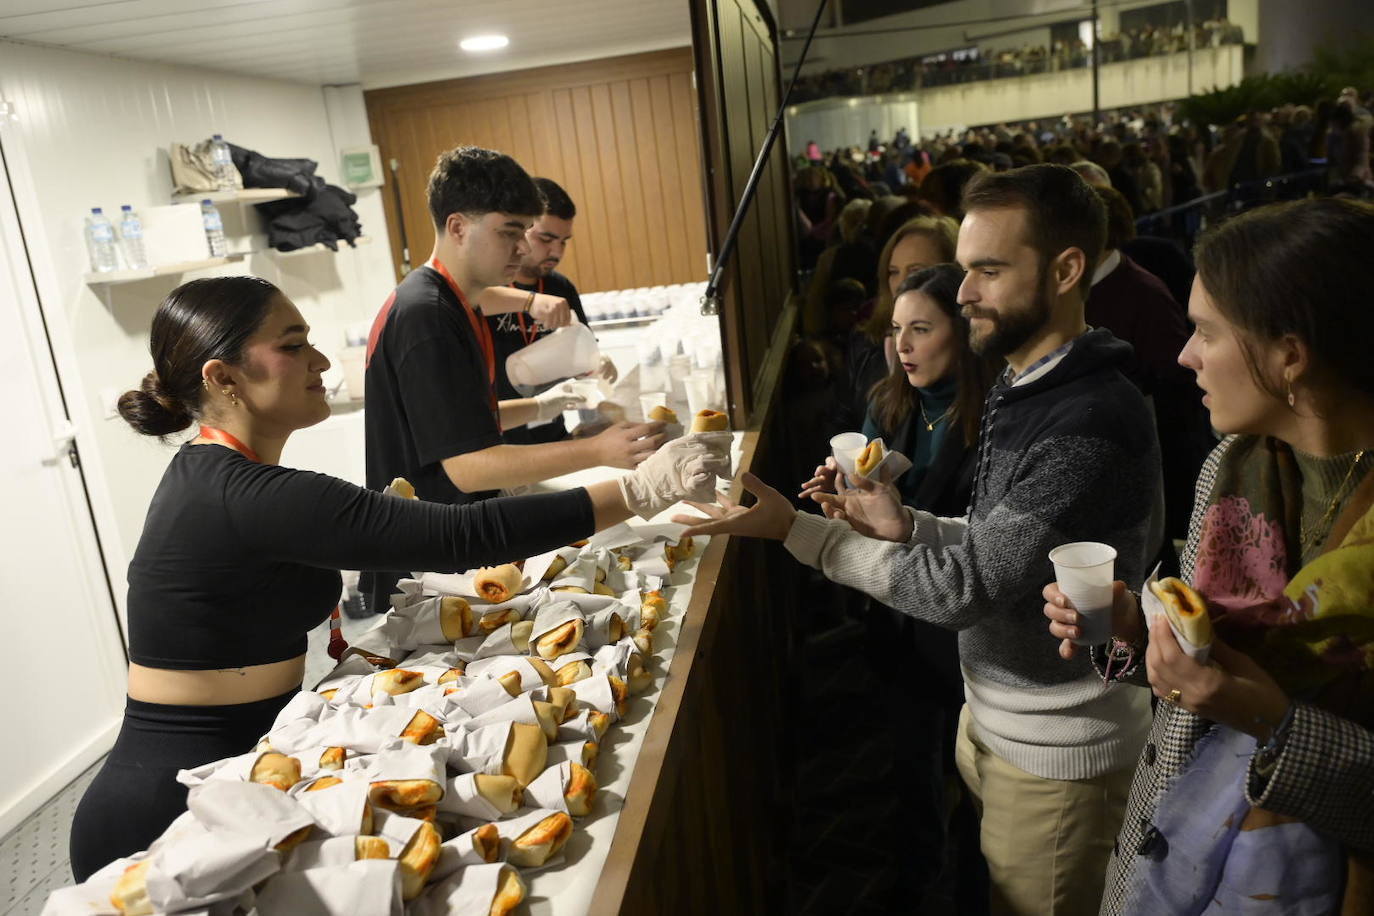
x=1047, y=841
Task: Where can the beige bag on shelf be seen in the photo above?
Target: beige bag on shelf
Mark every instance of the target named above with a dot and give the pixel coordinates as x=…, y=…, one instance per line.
x=193, y=169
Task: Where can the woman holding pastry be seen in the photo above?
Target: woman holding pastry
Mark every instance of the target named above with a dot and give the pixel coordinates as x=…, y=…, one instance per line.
x=239, y=558
x=1256, y=789
x=928, y=408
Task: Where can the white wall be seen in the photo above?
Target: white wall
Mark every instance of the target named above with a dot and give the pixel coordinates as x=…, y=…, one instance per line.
x=93, y=131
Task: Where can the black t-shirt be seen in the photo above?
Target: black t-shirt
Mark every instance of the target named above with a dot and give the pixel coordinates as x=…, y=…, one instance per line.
x=428, y=392
x=239, y=560
x=515, y=330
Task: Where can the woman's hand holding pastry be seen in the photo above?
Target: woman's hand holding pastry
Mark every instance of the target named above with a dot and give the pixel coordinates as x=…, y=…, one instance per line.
x=1127, y=622
x=871, y=507
x=770, y=517
x=1230, y=690
x=822, y=482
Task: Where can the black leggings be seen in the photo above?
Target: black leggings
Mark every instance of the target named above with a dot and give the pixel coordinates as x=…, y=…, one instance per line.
x=135, y=796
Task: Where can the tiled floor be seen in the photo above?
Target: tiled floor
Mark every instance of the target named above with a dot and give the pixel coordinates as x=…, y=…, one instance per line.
x=33, y=858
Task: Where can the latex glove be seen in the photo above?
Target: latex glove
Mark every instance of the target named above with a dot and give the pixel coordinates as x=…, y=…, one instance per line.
x=684, y=468
x=557, y=399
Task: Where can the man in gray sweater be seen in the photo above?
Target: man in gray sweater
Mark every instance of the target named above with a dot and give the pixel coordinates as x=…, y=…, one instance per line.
x=1067, y=452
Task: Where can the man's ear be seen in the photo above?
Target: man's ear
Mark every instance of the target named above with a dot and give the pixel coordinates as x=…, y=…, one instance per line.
x=456, y=227
x=1068, y=269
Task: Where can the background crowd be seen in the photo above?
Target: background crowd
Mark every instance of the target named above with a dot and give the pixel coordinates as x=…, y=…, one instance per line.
x=875, y=219
x=967, y=65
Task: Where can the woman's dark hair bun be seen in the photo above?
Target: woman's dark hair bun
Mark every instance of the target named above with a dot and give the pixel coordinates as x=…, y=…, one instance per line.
x=150, y=411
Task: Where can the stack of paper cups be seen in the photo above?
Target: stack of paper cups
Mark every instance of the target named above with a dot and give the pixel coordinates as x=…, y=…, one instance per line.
x=1083, y=570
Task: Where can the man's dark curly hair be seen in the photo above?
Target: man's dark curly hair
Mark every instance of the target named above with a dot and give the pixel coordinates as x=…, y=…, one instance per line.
x=474, y=181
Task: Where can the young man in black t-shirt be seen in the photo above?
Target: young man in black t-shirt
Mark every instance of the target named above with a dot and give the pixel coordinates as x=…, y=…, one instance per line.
x=433, y=412
x=536, y=277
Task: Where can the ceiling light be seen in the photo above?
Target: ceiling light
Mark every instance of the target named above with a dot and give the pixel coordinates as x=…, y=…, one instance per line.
x=484, y=43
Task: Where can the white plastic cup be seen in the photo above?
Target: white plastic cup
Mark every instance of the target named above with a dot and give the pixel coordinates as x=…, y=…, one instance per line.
x=845, y=448
x=701, y=391
x=567, y=352
x=1083, y=570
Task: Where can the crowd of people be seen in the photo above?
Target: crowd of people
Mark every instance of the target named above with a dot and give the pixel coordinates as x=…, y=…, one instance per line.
x=986, y=305
x=1151, y=156
x=967, y=65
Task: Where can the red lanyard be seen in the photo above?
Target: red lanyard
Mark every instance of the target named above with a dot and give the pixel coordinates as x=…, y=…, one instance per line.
x=529, y=334
x=479, y=327
x=223, y=438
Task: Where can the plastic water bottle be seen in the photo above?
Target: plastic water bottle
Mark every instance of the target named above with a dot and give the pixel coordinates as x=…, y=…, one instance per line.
x=100, y=242
x=131, y=238
x=225, y=173
x=214, y=229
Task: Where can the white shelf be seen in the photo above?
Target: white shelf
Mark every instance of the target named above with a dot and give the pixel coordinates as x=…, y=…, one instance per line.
x=317, y=248
x=622, y=322
x=243, y=196
x=113, y=277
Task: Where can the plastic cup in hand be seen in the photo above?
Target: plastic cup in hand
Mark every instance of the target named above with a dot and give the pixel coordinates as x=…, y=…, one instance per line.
x=567, y=352
x=846, y=447
x=1083, y=570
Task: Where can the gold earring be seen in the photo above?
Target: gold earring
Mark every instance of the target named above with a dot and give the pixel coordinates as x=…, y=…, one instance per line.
x=1292, y=401
x=205, y=383
x=229, y=393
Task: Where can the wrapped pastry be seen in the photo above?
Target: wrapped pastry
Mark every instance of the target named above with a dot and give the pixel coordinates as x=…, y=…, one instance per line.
x=662, y=414
x=130, y=894
x=493, y=620
x=455, y=617
x=332, y=758
x=452, y=674
x=541, y=841
x=652, y=609
x=482, y=795
x=560, y=640
x=503, y=792
x=498, y=584
x=621, y=692
x=490, y=890
x=371, y=847
x=324, y=782
x=418, y=859
x=569, y=786
x=401, y=487
x=637, y=677
x=572, y=589
x=564, y=699
x=572, y=672
x=710, y=421
x=870, y=457
x=526, y=752
x=604, y=628
x=396, y=681
x=601, y=588
x=276, y=770
x=401, y=794
x=422, y=728
x=583, y=752
x=1186, y=610
x=644, y=641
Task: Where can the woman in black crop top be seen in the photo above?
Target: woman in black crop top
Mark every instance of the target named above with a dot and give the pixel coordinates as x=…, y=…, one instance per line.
x=240, y=558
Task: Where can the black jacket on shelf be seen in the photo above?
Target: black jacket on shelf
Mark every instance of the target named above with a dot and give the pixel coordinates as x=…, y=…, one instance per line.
x=321, y=214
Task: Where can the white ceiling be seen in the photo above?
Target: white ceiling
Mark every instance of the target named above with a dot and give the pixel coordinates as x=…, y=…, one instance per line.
x=373, y=42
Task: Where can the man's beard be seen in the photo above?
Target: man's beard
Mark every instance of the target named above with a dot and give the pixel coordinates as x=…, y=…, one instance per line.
x=1013, y=329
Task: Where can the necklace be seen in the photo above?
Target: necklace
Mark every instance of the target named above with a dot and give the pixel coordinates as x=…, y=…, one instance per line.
x=930, y=424
x=1308, y=540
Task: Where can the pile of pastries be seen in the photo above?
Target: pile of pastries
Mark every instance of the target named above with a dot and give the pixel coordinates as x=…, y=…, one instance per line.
x=449, y=753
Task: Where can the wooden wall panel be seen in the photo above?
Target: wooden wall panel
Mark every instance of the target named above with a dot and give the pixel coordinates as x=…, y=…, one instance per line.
x=620, y=135
x=736, y=47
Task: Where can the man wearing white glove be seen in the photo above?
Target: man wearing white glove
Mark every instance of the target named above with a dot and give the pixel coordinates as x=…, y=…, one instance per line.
x=550, y=404
x=539, y=300
x=434, y=415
